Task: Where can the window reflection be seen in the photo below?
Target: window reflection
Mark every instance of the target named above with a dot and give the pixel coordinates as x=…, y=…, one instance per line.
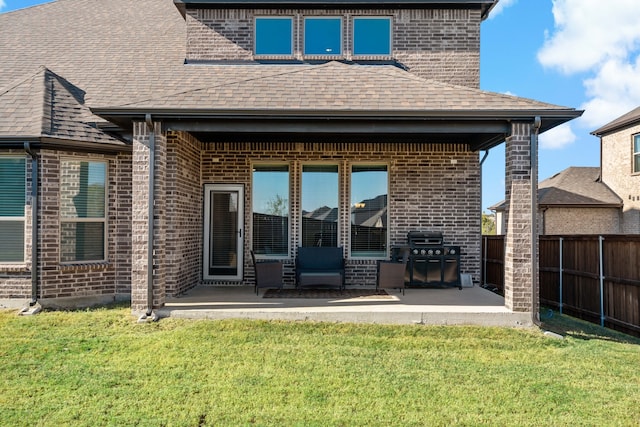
x=369, y=213
x=271, y=210
x=320, y=205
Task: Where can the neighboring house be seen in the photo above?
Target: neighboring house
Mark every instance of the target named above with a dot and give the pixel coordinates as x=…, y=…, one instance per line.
x=574, y=201
x=591, y=200
x=237, y=125
x=620, y=163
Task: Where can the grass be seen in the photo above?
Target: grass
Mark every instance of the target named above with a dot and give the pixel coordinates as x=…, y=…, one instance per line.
x=98, y=367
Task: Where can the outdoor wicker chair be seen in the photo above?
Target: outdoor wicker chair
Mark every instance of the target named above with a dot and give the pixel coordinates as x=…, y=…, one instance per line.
x=268, y=274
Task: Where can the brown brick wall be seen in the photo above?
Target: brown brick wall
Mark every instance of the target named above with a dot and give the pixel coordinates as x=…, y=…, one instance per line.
x=61, y=280
x=432, y=187
x=517, y=267
x=438, y=44
x=140, y=211
x=184, y=213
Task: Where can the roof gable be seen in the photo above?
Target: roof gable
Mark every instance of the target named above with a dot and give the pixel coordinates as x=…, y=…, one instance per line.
x=44, y=105
x=576, y=186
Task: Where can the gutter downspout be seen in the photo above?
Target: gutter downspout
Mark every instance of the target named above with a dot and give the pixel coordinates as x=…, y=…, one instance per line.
x=484, y=266
x=535, y=309
x=149, y=314
x=34, y=307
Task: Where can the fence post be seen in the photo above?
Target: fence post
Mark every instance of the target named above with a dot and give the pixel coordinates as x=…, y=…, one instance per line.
x=600, y=239
x=484, y=261
x=561, y=274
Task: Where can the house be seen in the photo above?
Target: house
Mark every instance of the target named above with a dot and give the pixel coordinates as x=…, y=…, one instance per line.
x=595, y=200
x=620, y=164
x=573, y=201
x=146, y=147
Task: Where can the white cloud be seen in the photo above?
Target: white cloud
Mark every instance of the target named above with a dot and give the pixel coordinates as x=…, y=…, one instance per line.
x=498, y=8
x=601, y=40
x=2, y=4
x=558, y=137
x=588, y=32
x=612, y=92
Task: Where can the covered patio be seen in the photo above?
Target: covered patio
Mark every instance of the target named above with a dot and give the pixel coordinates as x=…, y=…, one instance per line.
x=427, y=306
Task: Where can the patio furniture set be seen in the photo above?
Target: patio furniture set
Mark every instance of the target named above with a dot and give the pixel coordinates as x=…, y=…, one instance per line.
x=323, y=267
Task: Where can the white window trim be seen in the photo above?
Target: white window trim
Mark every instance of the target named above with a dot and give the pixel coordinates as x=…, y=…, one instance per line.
x=290, y=225
x=369, y=55
x=323, y=55
x=86, y=220
x=273, y=55
x=634, y=154
x=387, y=248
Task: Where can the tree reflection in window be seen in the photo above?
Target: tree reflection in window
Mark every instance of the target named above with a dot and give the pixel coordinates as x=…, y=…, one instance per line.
x=271, y=210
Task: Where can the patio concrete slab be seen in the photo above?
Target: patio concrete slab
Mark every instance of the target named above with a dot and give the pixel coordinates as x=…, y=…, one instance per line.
x=432, y=306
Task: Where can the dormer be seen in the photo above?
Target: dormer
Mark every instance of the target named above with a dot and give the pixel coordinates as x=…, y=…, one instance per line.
x=435, y=39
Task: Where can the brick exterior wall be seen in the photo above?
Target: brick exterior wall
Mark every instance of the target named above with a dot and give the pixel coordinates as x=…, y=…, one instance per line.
x=617, y=173
x=184, y=213
x=579, y=221
x=438, y=44
x=517, y=266
x=140, y=210
x=432, y=187
x=72, y=280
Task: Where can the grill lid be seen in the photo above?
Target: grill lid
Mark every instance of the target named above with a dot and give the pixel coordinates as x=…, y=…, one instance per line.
x=424, y=238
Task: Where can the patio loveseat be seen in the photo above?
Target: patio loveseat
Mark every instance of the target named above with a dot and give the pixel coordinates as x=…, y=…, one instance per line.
x=320, y=266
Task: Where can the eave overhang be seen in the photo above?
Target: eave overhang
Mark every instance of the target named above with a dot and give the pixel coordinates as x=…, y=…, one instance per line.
x=484, y=5
x=39, y=142
x=480, y=129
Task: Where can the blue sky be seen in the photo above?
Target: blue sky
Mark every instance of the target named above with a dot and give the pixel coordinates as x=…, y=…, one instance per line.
x=576, y=53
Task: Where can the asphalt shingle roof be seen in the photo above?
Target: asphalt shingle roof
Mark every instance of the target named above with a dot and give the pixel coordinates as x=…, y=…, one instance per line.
x=630, y=118
x=132, y=55
x=46, y=105
x=574, y=186
x=331, y=86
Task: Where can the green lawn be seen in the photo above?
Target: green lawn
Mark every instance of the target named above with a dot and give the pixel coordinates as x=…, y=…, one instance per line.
x=99, y=367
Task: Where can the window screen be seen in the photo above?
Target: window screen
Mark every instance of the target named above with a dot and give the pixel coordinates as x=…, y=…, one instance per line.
x=369, y=213
x=372, y=36
x=323, y=36
x=82, y=210
x=270, y=202
x=273, y=36
x=12, y=201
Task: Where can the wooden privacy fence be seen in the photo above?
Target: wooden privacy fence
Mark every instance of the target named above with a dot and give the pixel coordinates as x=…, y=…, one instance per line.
x=595, y=278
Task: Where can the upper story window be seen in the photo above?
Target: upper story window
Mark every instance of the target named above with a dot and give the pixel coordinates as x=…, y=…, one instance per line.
x=12, y=201
x=274, y=36
x=323, y=36
x=372, y=36
x=636, y=154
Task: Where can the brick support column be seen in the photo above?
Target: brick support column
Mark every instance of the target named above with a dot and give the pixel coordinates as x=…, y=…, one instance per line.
x=140, y=215
x=518, y=267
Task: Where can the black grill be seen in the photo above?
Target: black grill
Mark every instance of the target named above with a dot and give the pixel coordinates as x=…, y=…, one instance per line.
x=431, y=262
